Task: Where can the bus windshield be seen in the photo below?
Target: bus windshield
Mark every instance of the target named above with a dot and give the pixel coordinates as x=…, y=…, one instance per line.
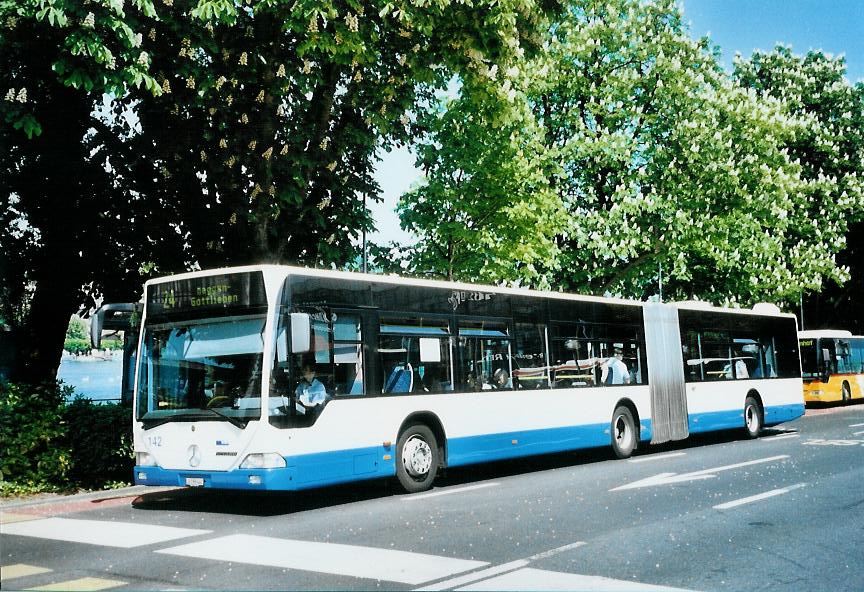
x=202, y=369
x=809, y=358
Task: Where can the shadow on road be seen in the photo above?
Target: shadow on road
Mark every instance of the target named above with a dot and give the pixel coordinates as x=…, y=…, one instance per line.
x=275, y=503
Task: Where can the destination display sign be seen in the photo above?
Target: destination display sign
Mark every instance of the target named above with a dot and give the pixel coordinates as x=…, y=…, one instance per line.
x=219, y=294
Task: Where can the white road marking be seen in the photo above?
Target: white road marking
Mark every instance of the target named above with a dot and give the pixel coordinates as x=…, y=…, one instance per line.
x=824, y=442
x=758, y=497
x=670, y=478
x=857, y=433
x=642, y=459
x=541, y=579
x=780, y=437
x=473, y=577
x=498, y=569
x=556, y=551
x=20, y=570
x=125, y=535
x=856, y=425
x=81, y=585
x=330, y=558
x=447, y=491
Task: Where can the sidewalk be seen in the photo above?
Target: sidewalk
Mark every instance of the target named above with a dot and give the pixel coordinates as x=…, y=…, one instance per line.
x=50, y=499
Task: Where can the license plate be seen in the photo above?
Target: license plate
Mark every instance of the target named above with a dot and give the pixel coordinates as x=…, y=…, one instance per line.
x=195, y=481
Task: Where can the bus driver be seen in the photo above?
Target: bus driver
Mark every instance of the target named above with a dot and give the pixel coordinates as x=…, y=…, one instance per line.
x=310, y=392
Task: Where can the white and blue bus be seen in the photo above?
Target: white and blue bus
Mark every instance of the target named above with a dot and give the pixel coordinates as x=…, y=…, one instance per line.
x=271, y=377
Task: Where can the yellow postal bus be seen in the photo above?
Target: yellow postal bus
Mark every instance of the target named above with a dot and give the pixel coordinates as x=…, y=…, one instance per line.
x=832, y=365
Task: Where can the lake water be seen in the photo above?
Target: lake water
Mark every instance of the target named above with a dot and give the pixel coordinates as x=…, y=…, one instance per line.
x=99, y=379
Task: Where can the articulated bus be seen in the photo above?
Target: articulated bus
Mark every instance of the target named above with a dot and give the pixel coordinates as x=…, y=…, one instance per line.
x=270, y=377
x=832, y=363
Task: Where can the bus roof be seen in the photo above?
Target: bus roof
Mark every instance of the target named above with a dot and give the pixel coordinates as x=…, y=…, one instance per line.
x=399, y=280
x=817, y=333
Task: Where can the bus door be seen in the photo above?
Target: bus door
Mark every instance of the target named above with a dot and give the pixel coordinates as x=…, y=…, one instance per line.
x=665, y=374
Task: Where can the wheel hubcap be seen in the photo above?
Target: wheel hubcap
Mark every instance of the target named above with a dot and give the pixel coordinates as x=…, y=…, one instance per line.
x=622, y=433
x=752, y=420
x=417, y=457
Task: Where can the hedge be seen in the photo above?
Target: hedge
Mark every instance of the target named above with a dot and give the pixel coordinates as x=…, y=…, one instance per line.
x=81, y=347
x=50, y=445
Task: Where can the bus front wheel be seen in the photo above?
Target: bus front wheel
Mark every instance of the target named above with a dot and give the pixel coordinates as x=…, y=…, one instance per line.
x=752, y=417
x=416, y=458
x=623, y=432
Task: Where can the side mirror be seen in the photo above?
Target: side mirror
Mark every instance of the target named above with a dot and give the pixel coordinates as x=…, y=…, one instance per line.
x=301, y=333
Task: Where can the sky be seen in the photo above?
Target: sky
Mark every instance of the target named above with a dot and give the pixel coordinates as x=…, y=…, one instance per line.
x=834, y=26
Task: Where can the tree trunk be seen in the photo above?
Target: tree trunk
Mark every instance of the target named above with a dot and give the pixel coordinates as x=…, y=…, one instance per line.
x=42, y=338
x=54, y=184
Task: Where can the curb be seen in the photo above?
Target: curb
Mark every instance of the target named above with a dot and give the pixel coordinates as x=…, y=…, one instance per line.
x=130, y=491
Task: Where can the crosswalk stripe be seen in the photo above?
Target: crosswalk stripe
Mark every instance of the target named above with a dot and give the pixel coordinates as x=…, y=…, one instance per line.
x=330, y=558
x=81, y=585
x=539, y=579
x=125, y=535
x=20, y=570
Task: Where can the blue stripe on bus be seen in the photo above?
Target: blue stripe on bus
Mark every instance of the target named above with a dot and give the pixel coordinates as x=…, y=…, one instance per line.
x=342, y=466
x=782, y=413
x=492, y=447
x=734, y=418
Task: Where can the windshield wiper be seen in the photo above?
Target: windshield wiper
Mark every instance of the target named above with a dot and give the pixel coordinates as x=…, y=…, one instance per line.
x=235, y=421
x=153, y=422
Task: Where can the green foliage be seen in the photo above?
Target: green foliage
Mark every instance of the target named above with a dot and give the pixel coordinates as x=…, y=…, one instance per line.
x=49, y=445
x=79, y=347
x=829, y=145
x=32, y=428
x=665, y=160
x=486, y=211
x=77, y=328
x=272, y=116
x=234, y=132
x=82, y=347
x=99, y=439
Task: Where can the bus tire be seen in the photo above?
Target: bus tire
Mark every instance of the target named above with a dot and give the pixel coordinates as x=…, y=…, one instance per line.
x=623, y=432
x=416, y=458
x=753, y=419
x=847, y=393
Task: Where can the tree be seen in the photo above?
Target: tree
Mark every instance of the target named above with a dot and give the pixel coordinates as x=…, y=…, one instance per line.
x=77, y=328
x=485, y=211
x=235, y=132
x=831, y=147
x=668, y=165
x=275, y=113
x=59, y=202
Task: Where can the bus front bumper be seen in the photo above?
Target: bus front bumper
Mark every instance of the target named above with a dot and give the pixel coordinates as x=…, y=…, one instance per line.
x=250, y=479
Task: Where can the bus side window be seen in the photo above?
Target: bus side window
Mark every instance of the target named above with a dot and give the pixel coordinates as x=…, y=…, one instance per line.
x=484, y=356
x=530, y=360
x=414, y=355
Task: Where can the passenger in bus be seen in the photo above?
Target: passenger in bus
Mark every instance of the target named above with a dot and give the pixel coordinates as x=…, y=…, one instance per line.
x=310, y=392
x=614, y=370
x=740, y=370
x=500, y=380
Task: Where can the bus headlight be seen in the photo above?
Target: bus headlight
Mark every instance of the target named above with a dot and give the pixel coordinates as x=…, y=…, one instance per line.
x=267, y=460
x=145, y=459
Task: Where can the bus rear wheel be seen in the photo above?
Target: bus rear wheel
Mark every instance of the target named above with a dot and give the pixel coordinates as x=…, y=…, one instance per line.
x=752, y=417
x=416, y=458
x=623, y=432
